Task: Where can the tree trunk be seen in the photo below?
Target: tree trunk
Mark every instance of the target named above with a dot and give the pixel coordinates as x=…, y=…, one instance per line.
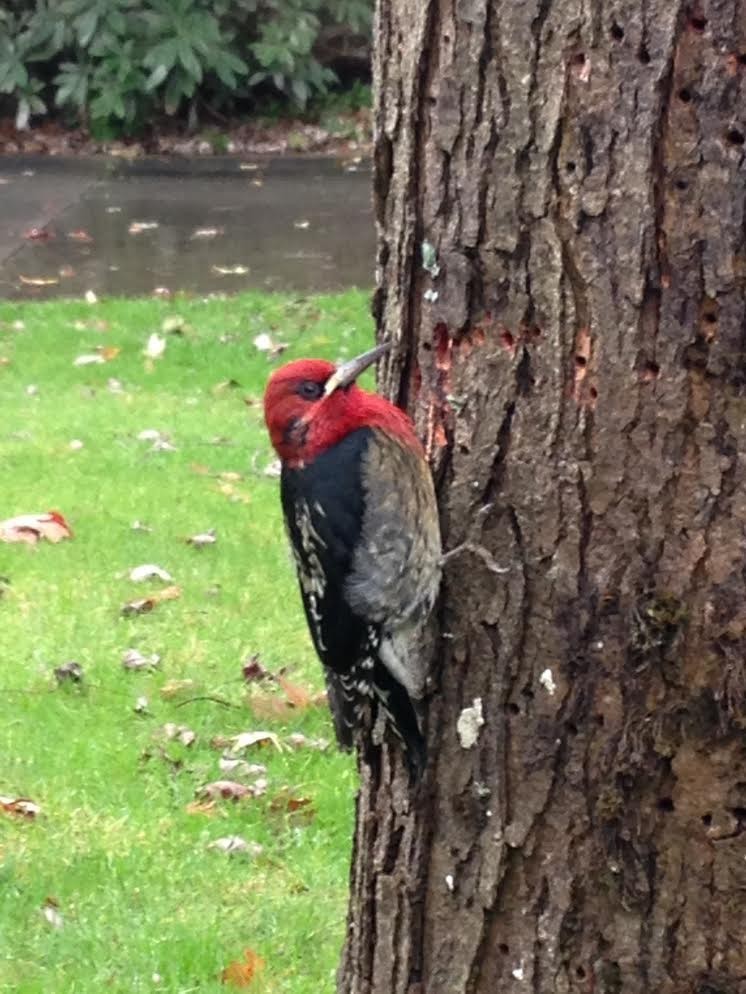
x=573, y=354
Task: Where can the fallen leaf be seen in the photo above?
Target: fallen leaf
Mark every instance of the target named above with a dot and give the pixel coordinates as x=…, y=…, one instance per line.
x=38, y=280
x=31, y=528
x=32, y=390
x=108, y=352
x=37, y=235
x=139, y=226
x=150, y=435
x=207, y=232
x=133, y=659
x=230, y=270
x=234, y=844
x=174, y=324
x=286, y=803
x=177, y=688
x=155, y=347
x=200, y=808
x=89, y=359
x=71, y=671
x=66, y=272
x=143, y=605
x=22, y=807
x=139, y=526
x=230, y=476
x=249, y=167
x=90, y=297
x=203, y=538
x=246, y=740
x=226, y=790
x=240, y=768
x=50, y=910
x=75, y=444
x=79, y=235
x=253, y=670
x=299, y=697
x=299, y=741
x=142, y=705
x=242, y=972
x=179, y=733
x=302, y=225
x=273, y=469
x=149, y=571
x=162, y=291
x=264, y=343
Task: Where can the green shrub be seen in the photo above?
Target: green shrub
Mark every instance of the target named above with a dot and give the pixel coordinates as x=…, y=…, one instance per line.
x=114, y=63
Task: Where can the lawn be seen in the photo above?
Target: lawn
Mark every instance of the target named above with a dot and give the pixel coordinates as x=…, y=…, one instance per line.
x=113, y=886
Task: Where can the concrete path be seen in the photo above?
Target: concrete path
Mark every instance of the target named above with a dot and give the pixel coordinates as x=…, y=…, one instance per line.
x=208, y=225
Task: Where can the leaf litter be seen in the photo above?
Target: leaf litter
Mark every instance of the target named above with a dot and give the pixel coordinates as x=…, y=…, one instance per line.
x=32, y=528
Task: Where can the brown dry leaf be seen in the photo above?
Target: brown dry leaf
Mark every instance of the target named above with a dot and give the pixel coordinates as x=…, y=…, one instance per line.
x=22, y=807
x=79, y=235
x=199, y=469
x=253, y=670
x=298, y=697
x=175, y=688
x=246, y=740
x=269, y=706
x=242, y=972
x=141, y=605
x=200, y=808
x=31, y=528
x=69, y=671
x=108, y=352
x=39, y=280
x=286, y=803
x=225, y=790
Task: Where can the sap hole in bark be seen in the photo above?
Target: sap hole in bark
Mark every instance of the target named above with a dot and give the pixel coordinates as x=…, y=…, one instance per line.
x=570, y=167
x=643, y=55
x=665, y=804
x=600, y=720
x=594, y=393
x=698, y=22
x=741, y=59
x=581, y=360
x=710, y=317
x=507, y=340
x=503, y=948
x=572, y=728
x=685, y=95
x=735, y=137
x=528, y=693
x=707, y=819
x=580, y=972
x=650, y=371
x=513, y=708
x=681, y=184
x=617, y=32
x=739, y=813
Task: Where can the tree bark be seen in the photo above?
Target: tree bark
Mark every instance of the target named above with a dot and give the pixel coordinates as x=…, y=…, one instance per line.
x=574, y=357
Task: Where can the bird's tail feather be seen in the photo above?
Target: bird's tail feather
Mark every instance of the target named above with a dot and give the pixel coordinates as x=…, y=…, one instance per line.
x=403, y=717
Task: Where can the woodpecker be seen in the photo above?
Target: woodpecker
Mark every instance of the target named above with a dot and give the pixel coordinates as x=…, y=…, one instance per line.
x=360, y=512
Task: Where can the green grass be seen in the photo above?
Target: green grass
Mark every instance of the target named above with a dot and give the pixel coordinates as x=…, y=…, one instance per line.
x=139, y=891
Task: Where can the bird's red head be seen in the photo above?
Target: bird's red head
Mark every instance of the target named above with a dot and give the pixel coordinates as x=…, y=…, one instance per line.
x=311, y=405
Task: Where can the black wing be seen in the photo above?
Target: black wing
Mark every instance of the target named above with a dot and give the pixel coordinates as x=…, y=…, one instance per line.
x=323, y=504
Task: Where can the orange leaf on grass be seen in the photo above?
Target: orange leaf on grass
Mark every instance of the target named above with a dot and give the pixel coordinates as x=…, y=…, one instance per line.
x=22, y=807
x=31, y=528
x=242, y=972
x=141, y=605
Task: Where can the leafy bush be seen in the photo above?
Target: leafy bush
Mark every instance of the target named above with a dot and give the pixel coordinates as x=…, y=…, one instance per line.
x=114, y=63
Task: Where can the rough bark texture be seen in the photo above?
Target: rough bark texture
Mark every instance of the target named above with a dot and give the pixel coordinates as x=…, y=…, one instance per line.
x=579, y=168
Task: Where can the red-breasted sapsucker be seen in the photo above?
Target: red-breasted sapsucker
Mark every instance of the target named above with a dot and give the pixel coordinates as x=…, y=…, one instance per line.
x=361, y=515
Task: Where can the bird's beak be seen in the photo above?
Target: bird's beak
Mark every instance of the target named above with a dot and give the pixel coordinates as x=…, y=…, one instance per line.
x=348, y=372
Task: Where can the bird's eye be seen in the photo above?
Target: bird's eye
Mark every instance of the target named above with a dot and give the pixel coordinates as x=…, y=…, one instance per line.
x=310, y=390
